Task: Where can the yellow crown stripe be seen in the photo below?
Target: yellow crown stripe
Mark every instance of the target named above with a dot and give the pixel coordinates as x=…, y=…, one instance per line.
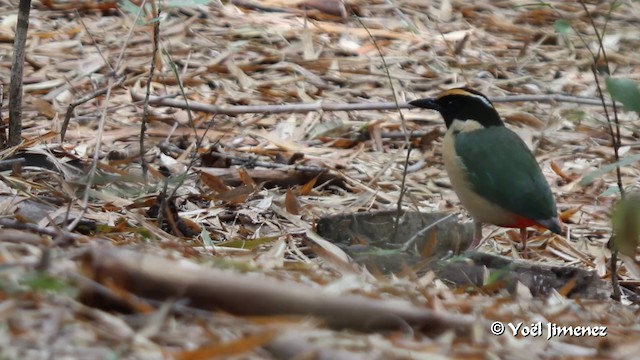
x=464, y=92
x=455, y=92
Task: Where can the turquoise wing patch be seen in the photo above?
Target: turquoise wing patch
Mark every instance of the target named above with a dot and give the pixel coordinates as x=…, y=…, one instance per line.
x=502, y=169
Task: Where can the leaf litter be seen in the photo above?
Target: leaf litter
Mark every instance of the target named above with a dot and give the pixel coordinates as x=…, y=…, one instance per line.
x=252, y=205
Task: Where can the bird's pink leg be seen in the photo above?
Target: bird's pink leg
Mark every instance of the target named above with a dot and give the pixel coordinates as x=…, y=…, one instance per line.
x=523, y=238
x=477, y=235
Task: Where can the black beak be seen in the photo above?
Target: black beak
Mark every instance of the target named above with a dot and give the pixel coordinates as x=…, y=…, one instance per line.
x=426, y=103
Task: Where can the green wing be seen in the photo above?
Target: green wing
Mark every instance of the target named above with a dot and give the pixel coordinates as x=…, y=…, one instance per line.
x=502, y=169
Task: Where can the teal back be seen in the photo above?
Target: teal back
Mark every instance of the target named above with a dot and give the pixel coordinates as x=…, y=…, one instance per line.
x=502, y=169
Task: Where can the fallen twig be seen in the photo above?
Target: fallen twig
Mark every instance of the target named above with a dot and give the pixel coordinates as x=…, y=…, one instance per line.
x=84, y=99
x=237, y=160
x=145, y=275
x=322, y=106
x=44, y=230
x=8, y=164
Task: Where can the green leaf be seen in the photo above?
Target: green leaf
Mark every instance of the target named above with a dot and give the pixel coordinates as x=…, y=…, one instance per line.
x=616, y=5
x=574, y=115
x=626, y=224
x=611, y=190
x=187, y=3
x=375, y=251
x=129, y=7
x=133, y=9
x=494, y=276
x=206, y=238
x=626, y=91
x=562, y=26
x=248, y=244
x=44, y=282
x=590, y=177
x=535, y=4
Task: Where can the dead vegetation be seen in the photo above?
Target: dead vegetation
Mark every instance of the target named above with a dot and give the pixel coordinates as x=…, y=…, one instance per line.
x=213, y=251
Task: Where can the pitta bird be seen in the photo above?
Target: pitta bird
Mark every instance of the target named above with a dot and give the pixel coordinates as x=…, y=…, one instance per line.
x=493, y=172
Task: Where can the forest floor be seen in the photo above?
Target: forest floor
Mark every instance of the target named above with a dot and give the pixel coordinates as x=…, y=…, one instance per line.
x=237, y=269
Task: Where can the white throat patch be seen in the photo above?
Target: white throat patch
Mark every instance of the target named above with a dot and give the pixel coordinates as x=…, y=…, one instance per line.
x=459, y=126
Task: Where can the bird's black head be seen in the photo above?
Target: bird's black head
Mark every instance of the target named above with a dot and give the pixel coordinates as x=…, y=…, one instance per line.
x=462, y=104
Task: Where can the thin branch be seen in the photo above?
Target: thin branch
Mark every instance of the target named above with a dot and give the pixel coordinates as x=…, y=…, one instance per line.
x=92, y=95
x=615, y=137
x=103, y=119
x=86, y=29
x=407, y=142
x=44, y=230
x=237, y=160
x=17, y=71
x=82, y=100
x=3, y=133
x=9, y=163
x=145, y=113
x=129, y=35
x=613, y=268
x=199, y=140
x=321, y=106
x=420, y=234
x=96, y=158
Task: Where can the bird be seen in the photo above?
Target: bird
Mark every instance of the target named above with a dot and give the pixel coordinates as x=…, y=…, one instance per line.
x=491, y=169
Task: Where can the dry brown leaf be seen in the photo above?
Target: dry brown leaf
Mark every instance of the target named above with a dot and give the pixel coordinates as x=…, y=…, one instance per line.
x=566, y=289
x=330, y=7
x=236, y=347
x=237, y=195
x=191, y=226
x=45, y=108
x=291, y=203
x=537, y=17
x=429, y=245
x=558, y=170
x=525, y=119
x=343, y=143
x=372, y=48
x=376, y=136
x=246, y=178
x=566, y=215
x=308, y=187
x=214, y=183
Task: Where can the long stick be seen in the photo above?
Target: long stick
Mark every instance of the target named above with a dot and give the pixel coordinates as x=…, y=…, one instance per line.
x=321, y=106
x=17, y=70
